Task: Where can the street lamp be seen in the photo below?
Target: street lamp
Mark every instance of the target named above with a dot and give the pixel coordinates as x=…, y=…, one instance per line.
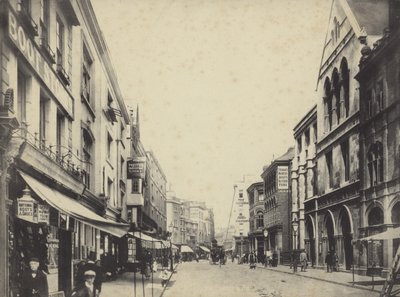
x=295, y=226
x=265, y=232
x=171, y=228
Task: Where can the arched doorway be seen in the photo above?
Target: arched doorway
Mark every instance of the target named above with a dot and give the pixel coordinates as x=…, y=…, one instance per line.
x=345, y=223
x=330, y=232
x=310, y=239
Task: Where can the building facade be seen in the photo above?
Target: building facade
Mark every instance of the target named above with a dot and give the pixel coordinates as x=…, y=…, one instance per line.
x=63, y=183
x=256, y=196
x=303, y=181
x=334, y=213
x=278, y=205
x=379, y=145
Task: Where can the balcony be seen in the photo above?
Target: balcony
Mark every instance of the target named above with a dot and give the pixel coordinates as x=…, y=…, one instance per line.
x=29, y=24
x=44, y=44
x=49, y=160
x=62, y=74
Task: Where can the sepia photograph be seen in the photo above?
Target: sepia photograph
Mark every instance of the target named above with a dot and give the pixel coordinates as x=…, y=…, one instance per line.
x=194, y=148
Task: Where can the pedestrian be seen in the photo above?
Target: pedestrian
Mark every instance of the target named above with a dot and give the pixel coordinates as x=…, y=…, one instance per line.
x=328, y=262
x=295, y=262
x=34, y=281
x=335, y=262
x=252, y=260
x=164, y=277
x=303, y=260
x=87, y=289
x=97, y=268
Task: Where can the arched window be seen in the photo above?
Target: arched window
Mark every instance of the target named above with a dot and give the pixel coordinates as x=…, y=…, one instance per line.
x=327, y=105
x=375, y=163
x=260, y=219
x=335, y=97
x=375, y=217
x=344, y=90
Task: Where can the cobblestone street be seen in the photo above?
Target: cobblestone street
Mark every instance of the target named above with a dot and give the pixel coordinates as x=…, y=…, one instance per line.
x=202, y=279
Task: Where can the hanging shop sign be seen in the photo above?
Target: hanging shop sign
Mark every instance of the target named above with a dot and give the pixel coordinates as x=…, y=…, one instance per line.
x=136, y=168
x=43, y=214
x=27, y=207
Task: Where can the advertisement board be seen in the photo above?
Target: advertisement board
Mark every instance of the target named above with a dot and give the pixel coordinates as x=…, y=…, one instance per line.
x=136, y=168
x=283, y=177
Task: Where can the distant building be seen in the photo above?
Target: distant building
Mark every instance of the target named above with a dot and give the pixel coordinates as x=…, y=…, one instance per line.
x=256, y=209
x=278, y=204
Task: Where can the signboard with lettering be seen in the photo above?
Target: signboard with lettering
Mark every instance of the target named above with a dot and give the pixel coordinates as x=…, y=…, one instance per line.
x=283, y=177
x=44, y=214
x=136, y=168
x=27, y=46
x=27, y=210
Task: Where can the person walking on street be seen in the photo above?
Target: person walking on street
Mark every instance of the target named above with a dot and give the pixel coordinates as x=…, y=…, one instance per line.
x=335, y=262
x=34, y=281
x=303, y=260
x=252, y=261
x=328, y=262
x=295, y=262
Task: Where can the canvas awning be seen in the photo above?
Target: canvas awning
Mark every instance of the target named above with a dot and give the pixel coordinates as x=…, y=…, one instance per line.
x=186, y=249
x=73, y=208
x=174, y=247
x=143, y=236
x=388, y=234
x=205, y=249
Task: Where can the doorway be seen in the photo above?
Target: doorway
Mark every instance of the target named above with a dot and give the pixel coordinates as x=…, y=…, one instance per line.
x=347, y=238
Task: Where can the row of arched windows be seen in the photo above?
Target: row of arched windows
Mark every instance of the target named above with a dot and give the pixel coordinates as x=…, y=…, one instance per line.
x=271, y=203
x=376, y=216
x=336, y=96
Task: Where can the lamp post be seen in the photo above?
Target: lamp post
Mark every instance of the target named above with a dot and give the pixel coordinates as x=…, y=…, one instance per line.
x=295, y=226
x=265, y=232
x=171, y=230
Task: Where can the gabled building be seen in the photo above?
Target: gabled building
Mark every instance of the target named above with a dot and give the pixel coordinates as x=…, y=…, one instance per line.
x=333, y=214
x=257, y=240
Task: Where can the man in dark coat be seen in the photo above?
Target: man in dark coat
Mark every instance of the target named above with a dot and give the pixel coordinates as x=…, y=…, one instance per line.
x=328, y=261
x=87, y=289
x=34, y=281
x=91, y=265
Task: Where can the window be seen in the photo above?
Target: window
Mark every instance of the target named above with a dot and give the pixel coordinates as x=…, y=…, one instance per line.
x=109, y=146
x=87, y=157
x=43, y=118
x=22, y=94
x=327, y=105
x=370, y=95
x=379, y=96
x=299, y=145
x=86, y=74
x=375, y=163
x=346, y=159
x=26, y=6
x=122, y=166
x=344, y=91
x=328, y=158
x=375, y=216
x=110, y=191
x=44, y=22
x=260, y=220
x=241, y=194
x=60, y=42
x=307, y=137
x=60, y=133
x=261, y=197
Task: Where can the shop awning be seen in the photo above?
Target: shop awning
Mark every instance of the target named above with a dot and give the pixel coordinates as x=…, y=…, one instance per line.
x=186, y=249
x=73, y=208
x=142, y=236
x=174, y=247
x=205, y=249
x=388, y=234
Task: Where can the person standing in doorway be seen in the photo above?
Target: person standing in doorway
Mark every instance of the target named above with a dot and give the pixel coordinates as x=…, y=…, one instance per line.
x=34, y=281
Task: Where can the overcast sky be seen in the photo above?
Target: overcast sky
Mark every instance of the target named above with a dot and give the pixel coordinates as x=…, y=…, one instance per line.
x=220, y=83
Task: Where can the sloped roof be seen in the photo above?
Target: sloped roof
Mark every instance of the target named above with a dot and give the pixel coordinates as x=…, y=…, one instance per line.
x=286, y=156
x=372, y=15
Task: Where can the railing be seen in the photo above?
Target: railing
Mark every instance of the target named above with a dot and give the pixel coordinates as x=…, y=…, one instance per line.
x=60, y=155
x=27, y=20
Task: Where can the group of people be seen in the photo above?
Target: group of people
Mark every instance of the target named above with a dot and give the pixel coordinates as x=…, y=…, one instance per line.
x=332, y=261
x=299, y=259
x=87, y=284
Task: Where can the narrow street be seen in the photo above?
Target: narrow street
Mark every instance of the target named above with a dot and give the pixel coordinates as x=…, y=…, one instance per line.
x=202, y=279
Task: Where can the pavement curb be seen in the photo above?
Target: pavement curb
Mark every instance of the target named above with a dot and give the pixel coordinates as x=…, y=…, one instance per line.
x=166, y=285
x=323, y=280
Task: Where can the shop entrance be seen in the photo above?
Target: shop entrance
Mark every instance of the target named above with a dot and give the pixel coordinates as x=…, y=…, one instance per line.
x=65, y=258
x=310, y=240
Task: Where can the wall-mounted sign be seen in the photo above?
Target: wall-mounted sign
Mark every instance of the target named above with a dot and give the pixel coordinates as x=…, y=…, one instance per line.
x=43, y=214
x=283, y=177
x=136, y=168
x=27, y=210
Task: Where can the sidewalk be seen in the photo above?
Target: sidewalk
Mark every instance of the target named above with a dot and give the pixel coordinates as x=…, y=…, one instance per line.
x=124, y=286
x=339, y=278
